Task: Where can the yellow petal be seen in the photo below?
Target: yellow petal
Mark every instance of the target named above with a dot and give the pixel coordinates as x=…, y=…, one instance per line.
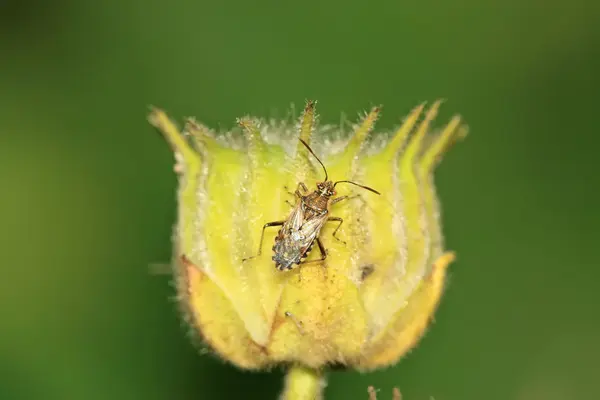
x=410, y=323
x=213, y=316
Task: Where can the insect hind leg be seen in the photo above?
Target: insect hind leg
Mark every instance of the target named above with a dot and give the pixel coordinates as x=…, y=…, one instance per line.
x=262, y=236
x=322, y=250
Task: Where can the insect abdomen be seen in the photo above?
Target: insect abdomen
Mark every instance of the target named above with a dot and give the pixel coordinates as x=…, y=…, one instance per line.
x=288, y=252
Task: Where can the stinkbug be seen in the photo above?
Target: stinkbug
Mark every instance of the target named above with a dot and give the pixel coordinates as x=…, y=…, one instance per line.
x=301, y=229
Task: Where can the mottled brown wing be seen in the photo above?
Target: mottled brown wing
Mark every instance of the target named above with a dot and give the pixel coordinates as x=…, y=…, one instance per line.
x=295, y=219
x=295, y=245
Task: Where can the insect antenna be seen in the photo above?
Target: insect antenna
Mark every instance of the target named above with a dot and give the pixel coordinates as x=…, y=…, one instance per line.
x=354, y=183
x=313, y=153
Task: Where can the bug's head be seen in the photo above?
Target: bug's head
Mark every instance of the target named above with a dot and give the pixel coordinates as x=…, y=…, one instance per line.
x=326, y=188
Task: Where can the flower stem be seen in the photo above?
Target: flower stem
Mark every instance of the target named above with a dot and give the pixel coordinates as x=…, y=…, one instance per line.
x=303, y=383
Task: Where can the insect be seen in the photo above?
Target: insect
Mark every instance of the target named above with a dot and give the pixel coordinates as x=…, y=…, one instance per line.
x=301, y=229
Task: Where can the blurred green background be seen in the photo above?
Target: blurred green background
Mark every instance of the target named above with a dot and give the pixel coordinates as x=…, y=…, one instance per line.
x=87, y=189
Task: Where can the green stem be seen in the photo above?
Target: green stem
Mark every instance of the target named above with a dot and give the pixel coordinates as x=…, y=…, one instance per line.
x=303, y=383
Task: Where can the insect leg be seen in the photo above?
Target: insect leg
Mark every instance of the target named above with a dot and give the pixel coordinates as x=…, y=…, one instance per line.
x=338, y=199
x=300, y=185
x=341, y=221
x=322, y=250
x=303, y=186
x=262, y=236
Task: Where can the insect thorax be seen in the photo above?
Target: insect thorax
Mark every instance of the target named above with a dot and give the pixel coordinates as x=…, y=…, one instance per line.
x=316, y=203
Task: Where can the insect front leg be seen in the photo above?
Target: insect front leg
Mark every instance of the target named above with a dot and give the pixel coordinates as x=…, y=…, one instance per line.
x=300, y=185
x=341, y=221
x=262, y=236
x=297, y=193
x=338, y=199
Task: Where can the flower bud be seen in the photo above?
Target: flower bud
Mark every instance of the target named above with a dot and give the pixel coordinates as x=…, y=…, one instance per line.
x=372, y=296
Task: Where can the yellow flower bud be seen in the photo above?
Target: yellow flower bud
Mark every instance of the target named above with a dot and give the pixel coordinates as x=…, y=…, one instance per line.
x=369, y=301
